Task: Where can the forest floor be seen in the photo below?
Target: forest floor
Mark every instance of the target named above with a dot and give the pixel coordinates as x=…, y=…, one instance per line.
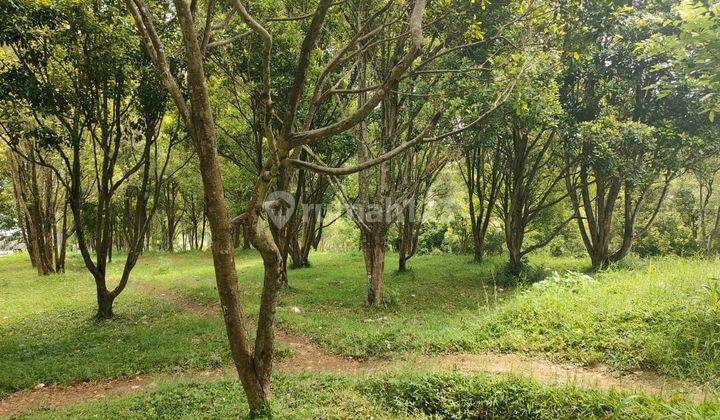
x=608, y=343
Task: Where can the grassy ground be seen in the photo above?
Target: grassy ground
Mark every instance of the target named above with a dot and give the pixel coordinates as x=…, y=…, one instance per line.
x=49, y=334
x=398, y=396
x=660, y=315
x=429, y=308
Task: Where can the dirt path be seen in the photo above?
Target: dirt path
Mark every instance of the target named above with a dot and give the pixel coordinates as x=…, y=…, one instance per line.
x=307, y=357
x=564, y=374
x=63, y=396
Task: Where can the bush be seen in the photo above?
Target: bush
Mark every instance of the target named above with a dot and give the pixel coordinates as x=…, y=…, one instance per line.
x=668, y=236
x=570, y=279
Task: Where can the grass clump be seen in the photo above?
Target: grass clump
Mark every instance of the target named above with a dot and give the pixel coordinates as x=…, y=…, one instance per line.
x=455, y=396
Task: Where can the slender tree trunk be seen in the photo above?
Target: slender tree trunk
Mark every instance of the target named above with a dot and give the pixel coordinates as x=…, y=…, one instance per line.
x=170, y=240
x=483, y=180
x=402, y=263
x=110, y=241
x=62, y=247
x=406, y=232
x=296, y=254
x=374, y=245
x=236, y=237
x=202, y=233
x=253, y=367
x=300, y=246
x=478, y=248
x=514, y=246
x=710, y=240
x=33, y=188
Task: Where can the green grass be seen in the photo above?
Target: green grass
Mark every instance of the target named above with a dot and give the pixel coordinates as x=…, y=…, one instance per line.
x=456, y=396
x=402, y=395
x=431, y=303
x=428, y=310
x=663, y=317
x=300, y=397
x=50, y=335
x=660, y=315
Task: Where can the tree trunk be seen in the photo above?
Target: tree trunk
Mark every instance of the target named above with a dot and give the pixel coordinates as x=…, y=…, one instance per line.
x=171, y=238
x=110, y=241
x=246, y=239
x=478, y=248
x=253, y=367
x=104, y=301
x=283, y=270
x=483, y=178
x=202, y=232
x=405, y=245
x=514, y=246
x=236, y=237
x=402, y=263
x=374, y=253
x=300, y=247
x=61, y=241
x=296, y=255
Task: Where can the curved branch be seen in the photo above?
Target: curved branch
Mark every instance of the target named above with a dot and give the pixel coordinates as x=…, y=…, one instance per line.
x=420, y=138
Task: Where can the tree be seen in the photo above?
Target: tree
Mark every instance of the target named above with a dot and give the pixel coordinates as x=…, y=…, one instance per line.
x=40, y=200
x=481, y=162
x=173, y=212
x=688, y=45
x=315, y=196
x=193, y=208
x=98, y=110
x=616, y=156
x=627, y=137
x=395, y=190
x=387, y=189
x=530, y=180
x=8, y=209
x=421, y=172
x=511, y=56
x=284, y=141
x=531, y=166
x=706, y=171
x=483, y=179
